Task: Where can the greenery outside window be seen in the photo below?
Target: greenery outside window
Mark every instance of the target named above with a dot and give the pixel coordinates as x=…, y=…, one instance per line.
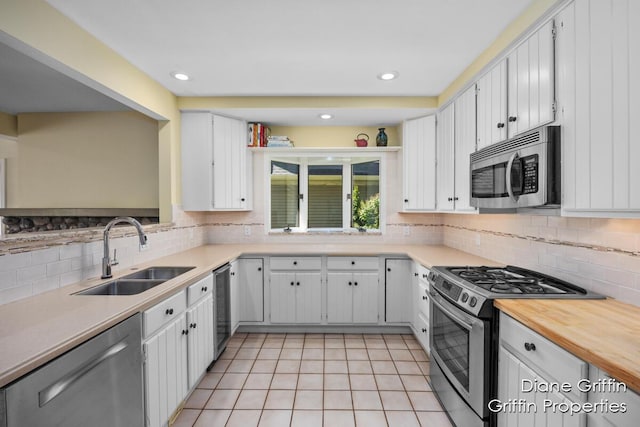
x=324, y=194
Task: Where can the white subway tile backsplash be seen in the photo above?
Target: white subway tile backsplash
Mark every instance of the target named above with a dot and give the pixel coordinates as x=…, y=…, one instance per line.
x=45, y=256
x=59, y=267
x=47, y=284
x=14, y=261
x=71, y=251
x=8, y=279
x=34, y=272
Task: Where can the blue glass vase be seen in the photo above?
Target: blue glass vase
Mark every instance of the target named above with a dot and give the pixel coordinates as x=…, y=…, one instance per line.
x=381, y=138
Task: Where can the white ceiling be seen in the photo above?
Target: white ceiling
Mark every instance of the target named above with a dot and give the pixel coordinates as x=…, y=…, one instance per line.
x=279, y=48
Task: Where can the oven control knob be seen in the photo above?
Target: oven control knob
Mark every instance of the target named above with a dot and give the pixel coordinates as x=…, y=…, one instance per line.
x=465, y=297
x=473, y=301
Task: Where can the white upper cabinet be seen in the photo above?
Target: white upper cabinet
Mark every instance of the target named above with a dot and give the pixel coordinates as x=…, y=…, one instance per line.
x=492, y=106
x=419, y=160
x=530, y=82
x=464, y=145
x=598, y=63
x=216, y=164
x=446, y=159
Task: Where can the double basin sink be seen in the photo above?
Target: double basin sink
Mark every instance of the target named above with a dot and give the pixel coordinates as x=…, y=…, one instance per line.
x=137, y=282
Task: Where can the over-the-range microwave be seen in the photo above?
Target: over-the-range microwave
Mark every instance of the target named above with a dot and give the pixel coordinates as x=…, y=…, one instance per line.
x=522, y=172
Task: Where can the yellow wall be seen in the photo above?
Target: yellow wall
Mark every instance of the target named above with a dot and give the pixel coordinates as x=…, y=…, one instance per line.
x=84, y=160
x=8, y=124
x=333, y=136
x=535, y=10
x=39, y=26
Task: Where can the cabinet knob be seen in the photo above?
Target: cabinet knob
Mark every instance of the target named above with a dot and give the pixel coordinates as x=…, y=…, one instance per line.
x=291, y=283
x=512, y=118
x=416, y=274
x=233, y=273
x=424, y=330
x=529, y=346
x=242, y=200
x=349, y=283
x=424, y=276
x=500, y=125
x=425, y=298
x=204, y=289
x=169, y=311
x=297, y=283
x=185, y=332
x=355, y=283
x=406, y=200
x=259, y=268
x=353, y=263
x=295, y=262
x=455, y=199
x=450, y=199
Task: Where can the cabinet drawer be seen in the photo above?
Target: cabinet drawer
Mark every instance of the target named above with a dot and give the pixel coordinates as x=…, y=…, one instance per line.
x=296, y=263
x=200, y=289
x=423, y=273
x=352, y=263
x=558, y=364
x=423, y=298
x=167, y=310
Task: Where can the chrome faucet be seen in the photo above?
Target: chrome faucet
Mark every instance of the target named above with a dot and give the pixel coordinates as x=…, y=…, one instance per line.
x=106, y=261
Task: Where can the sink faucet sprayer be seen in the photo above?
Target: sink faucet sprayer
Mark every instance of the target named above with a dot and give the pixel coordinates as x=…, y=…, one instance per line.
x=106, y=261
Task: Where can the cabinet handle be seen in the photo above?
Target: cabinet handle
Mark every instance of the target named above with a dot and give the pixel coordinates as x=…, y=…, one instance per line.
x=424, y=330
x=450, y=199
x=169, y=311
x=353, y=263
x=388, y=269
x=204, y=289
x=297, y=283
x=233, y=273
x=242, y=200
x=416, y=274
x=291, y=283
x=512, y=118
x=259, y=268
x=455, y=199
x=425, y=298
x=424, y=276
x=349, y=283
x=185, y=332
x=500, y=125
x=529, y=346
x=355, y=283
x=406, y=200
x=295, y=262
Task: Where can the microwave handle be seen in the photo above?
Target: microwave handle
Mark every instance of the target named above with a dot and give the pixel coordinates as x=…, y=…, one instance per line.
x=513, y=157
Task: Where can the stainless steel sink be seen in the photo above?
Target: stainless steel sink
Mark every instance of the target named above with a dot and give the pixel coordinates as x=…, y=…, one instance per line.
x=158, y=273
x=122, y=287
x=137, y=282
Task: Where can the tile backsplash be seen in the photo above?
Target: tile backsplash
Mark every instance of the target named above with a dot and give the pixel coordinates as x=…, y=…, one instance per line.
x=602, y=255
x=598, y=254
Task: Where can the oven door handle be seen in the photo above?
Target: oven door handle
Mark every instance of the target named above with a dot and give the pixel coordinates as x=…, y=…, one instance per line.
x=513, y=157
x=468, y=322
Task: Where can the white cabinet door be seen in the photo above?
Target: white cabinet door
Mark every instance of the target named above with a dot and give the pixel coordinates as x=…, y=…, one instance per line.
x=251, y=289
x=397, y=290
x=216, y=164
x=283, y=297
x=598, y=55
x=445, y=155
x=234, y=295
x=308, y=303
x=165, y=372
x=365, y=297
x=339, y=297
x=465, y=144
x=492, y=106
x=511, y=373
x=531, y=82
x=200, y=338
x=419, y=164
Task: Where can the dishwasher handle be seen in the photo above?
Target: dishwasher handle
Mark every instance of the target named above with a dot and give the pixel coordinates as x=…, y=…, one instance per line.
x=57, y=388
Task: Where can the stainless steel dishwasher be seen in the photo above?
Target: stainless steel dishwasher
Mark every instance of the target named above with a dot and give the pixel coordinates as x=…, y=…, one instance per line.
x=98, y=383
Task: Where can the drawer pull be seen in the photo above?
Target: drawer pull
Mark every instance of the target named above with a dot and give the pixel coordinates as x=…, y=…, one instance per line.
x=295, y=262
x=297, y=283
x=529, y=346
x=185, y=332
x=355, y=283
x=169, y=311
x=353, y=263
x=204, y=289
x=416, y=274
x=291, y=283
x=424, y=330
x=349, y=283
x=425, y=298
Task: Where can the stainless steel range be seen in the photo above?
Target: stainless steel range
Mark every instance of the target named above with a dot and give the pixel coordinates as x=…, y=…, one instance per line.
x=464, y=332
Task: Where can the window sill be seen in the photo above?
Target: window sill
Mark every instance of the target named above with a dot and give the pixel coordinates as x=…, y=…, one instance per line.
x=325, y=232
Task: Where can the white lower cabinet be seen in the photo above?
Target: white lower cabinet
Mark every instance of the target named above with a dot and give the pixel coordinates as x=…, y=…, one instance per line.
x=295, y=296
x=165, y=371
x=352, y=297
x=234, y=295
x=178, y=348
x=397, y=285
x=617, y=395
x=526, y=359
x=420, y=305
x=251, y=289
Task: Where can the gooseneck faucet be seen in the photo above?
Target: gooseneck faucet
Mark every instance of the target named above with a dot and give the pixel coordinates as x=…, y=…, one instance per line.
x=106, y=261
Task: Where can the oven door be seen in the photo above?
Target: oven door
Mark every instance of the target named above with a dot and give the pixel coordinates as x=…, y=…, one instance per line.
x=512, y=179
x=460, y=345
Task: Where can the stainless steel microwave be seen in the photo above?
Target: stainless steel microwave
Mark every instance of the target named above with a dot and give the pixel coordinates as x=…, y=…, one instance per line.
x=522, y=172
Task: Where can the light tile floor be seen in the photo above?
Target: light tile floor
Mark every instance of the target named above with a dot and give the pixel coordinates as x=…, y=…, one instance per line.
x=309, y=380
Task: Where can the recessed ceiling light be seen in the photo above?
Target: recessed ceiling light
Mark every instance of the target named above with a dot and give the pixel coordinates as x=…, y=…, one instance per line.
x=180, y=76
x=326, y=116
x=390, y=75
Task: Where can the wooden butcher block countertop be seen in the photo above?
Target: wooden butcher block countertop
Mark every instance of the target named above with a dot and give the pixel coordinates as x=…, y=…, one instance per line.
x=605, y=333
x=35, y=330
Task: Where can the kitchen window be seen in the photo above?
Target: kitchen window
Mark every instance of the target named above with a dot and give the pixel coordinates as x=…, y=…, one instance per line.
x=324, y=194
